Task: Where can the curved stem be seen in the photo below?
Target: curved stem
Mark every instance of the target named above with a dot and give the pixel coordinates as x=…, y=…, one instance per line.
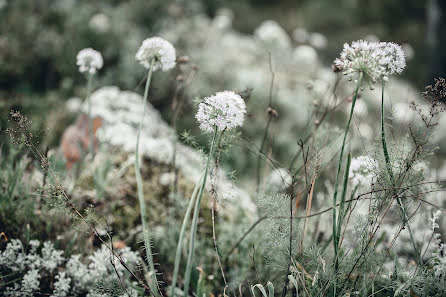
x=90, y=119
x=392, y=178
x=146, y=235
x=335, y=194
x=193, y=231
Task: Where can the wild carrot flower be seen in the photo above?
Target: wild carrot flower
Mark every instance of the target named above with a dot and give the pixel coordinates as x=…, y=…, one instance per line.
x=224, y=110
x=157, y=49
x=272, y=35
x=376, y=60
x=89, y=60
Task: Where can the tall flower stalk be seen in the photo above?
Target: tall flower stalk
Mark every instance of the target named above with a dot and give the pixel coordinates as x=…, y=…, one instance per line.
x=216, y=114
x=193, y=231
x=89, y=61
x=154, y=53
x=142, y=205
x=336, y=234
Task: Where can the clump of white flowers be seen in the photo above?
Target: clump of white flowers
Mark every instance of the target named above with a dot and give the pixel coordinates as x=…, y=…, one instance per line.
x=362, y=170
x=376, y=60
x=272, y=34
x=89, y=60
x=72, y=277
x=224, y=111
x=158, y=50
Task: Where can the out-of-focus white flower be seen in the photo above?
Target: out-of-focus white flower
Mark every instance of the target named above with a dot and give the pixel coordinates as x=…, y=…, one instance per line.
x=402, y=113
x=317, y=40
x=3, y=3
x=166, y=178
x=376, y=60
x=365, y=131
x=272, y=34
x=305, y=56
x=362, y=170
x=89, y=60
x=408, y=51
x=73, y=104
x=157, y=49
x=279, y=179
x=223, y=18
x=224, y=110
x=361, y=109
x=300, y=35
x=99, y=23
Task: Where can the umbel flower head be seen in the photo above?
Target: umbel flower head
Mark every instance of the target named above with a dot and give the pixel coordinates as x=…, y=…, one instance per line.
x=376, y=60
x=89, y=60
x=157, y=49
x=224, y=110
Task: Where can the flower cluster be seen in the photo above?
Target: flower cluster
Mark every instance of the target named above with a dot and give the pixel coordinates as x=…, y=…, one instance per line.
x=158, y=50
x=225, y=110
x=273, y=35
x=362, y=170
x=89, y=60
x=376, y=60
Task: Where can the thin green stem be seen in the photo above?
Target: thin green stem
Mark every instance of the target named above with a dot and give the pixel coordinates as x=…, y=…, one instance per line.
x=90, y=119
x=335, y=194
x=146, y=235
x=392, y=178
x=180, y=239
x=193, y=231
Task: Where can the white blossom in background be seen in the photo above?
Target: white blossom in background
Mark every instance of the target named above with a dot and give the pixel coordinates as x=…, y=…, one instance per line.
x=439, y=247
x=362, y=170
x=158, y=49
x=306, y=57
x=224, y=110
x=99, y=23
x=223, y=19
x=279, y=180
x=272, y=34
x=73, y=104
x=317, y=40
x=408, y=51
x=300, y=35
x=376, y=60
x=89, y=60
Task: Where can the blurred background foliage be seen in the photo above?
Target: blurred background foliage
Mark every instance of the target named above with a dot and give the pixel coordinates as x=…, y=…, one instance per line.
x=39, y=40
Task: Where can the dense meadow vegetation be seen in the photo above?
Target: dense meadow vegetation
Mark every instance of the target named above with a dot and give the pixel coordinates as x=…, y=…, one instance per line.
x=172, y=148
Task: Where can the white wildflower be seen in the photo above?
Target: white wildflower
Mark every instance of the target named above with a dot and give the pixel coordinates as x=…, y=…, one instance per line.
x=51, y=257
x=62, y=285
x=272, y=34
x=317, y=40
x=376, y=61
x=300, y=35
x=99, y=23
x=362, y=170
x=160, y=51
x=30, y=282
x=89, y=60
x=391, y=58
x=225, y=110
